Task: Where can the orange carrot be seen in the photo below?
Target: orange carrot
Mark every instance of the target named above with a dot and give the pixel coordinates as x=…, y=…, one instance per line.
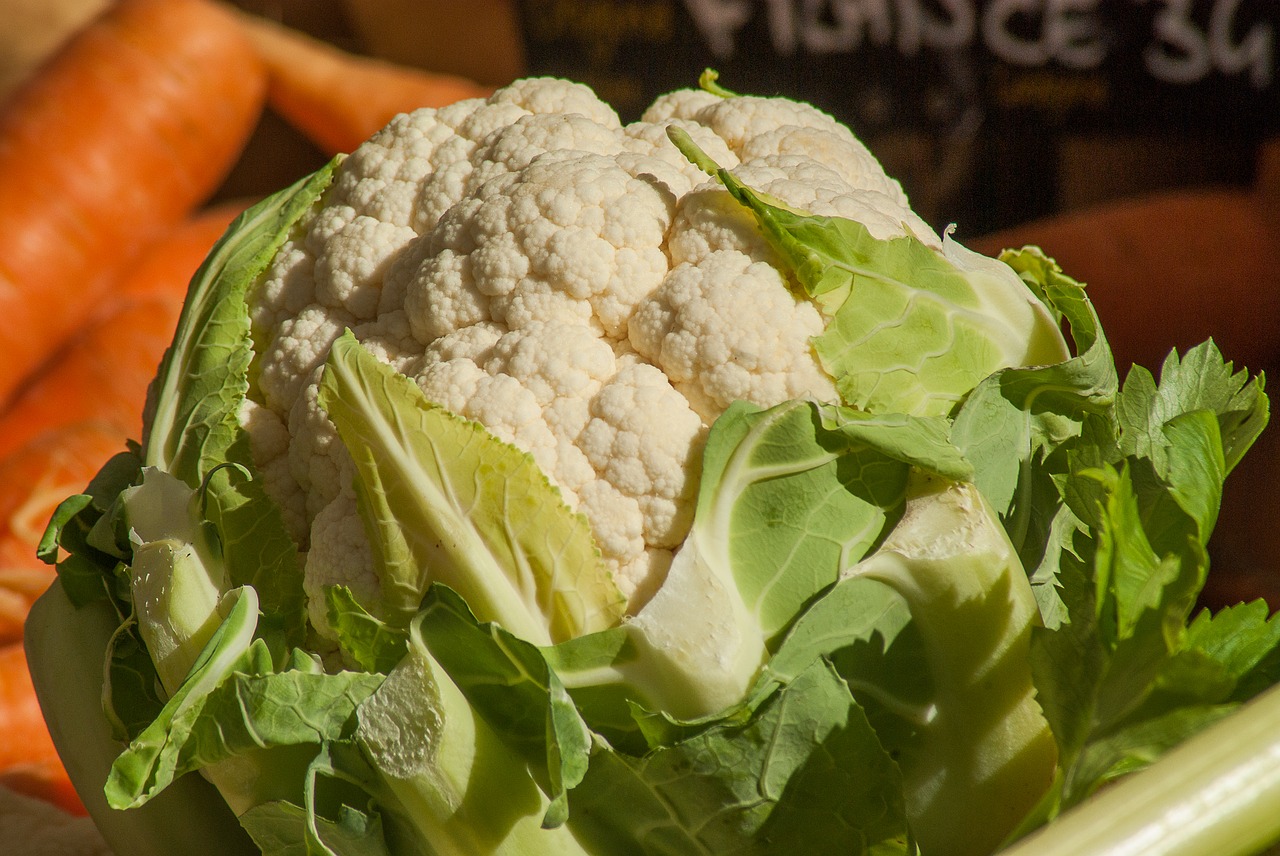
x=28, y=760
x=104, y=369
x=33, y=480
x=338, y=99
x=127, y=128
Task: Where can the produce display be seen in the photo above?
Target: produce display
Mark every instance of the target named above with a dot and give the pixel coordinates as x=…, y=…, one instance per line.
x=526, y=482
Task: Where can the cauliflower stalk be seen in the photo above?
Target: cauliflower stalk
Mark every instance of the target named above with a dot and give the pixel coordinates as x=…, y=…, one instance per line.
x=527, y=482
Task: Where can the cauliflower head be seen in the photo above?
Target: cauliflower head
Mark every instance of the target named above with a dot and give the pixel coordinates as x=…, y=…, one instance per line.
x=574, y=284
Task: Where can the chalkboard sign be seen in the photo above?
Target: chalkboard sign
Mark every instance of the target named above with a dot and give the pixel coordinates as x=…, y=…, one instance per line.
x=1030, y=69
x=1172, y=63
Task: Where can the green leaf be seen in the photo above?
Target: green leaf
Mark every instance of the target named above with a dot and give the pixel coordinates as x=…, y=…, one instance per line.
x=591, y=668
x=233, y=704
x=510, y=684
x=790, y=496
x=133, y=694
x=794, y=494
x=1245, y=640
x=324, y=819
x=176, y=574
x=66, y=647
x=1019, y=424
x=1130, y=576
x=1069, y=663
x=445, y=778
x=369, y=642
x=193, y=405
x=1199, y=380
x=74, y=517
x=83, y=536
x=1126, y=679
x=204, y=374
x=856, y=609
x=150, y=762
x=444, y=500
x=805, y=775
x=280, y=828
x=912, y=328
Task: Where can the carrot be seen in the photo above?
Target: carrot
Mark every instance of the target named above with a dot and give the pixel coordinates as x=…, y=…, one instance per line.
x=28, y=760
x=33, y=480
x=338, y=99
x=104, y=369
x=1170, y=270
x=126, y=129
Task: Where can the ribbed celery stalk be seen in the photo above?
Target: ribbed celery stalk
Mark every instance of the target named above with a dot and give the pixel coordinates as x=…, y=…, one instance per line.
x=1218, y=794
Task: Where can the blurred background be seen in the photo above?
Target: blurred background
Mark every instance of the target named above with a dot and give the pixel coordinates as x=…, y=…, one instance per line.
x=1132, y=139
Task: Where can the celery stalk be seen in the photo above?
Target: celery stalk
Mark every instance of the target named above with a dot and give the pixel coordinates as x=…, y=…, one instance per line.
x=1217, y=794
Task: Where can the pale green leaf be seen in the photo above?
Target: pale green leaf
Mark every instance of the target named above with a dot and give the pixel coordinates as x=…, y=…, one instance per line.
x=445, y=501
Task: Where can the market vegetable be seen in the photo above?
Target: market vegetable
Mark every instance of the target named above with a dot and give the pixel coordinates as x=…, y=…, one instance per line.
x=528, y=482
x=150, y=88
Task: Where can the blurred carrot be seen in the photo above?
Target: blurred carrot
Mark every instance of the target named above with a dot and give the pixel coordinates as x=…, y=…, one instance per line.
x=33, y=480
x=339, y=99
x=28, y=760
x=104, y=369
x=126, y=129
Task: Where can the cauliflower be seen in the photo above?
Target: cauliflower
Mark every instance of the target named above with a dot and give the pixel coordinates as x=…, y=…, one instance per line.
x=574, y=284
x=527, y=482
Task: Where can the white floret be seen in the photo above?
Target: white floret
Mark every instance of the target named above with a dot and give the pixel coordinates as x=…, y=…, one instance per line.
x=288, y=288
x=710, y=221
x=557, y=97
x=740, y=120
x=351, y=253
x=729, y=329
x=385, y=177
x=574, y=284
x=566, y=239
x=679, y=104
x=318, y=461
x=339, y=555
x=270, y=440
x=835, y=148
x=808, y=186
x=650, y=152
x=645, y=440
x=298, y=347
